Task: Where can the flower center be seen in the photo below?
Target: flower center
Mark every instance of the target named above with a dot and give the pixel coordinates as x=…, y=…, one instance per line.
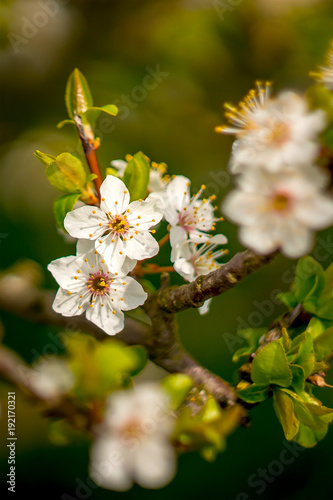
x=119, y=224
x=132, y=430
x=281, y=202
x=98, y=283
x=279, y=132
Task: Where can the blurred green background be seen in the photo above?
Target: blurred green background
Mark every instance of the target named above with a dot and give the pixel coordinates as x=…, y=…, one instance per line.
x=203, y=52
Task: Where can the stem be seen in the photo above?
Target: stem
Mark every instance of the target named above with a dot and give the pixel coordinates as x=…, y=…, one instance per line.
x=164, y=240
x=90, y=153
x=155, y=269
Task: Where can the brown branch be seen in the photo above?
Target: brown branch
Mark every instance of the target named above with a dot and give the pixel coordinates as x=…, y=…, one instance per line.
x=213, y=284
x=166, y=351
x=15, y=371
x=90, y=153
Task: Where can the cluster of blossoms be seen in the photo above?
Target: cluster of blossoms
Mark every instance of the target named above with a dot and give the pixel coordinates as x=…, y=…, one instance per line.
x=280, y=197
x=112, y=238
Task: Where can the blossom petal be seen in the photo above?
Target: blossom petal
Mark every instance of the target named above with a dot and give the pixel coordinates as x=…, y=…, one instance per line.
x=112, y=248
x=205, y=308
x=178, y=196
x=142, y=246
x=298, y=240
x=64, y=269
x=114, y=195
x=84, y=222
x=177, y=236
x=108, y=465
x=68, y=304
x=185, y=269
x=155, y=465
x=260, y=239
x=103, y=317
x=146, y=213
x=316, y=213
x=133, y=294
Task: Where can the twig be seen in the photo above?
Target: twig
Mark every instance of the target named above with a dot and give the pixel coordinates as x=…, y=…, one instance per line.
x=90, y=153
x=213, y=284
x=14, y=370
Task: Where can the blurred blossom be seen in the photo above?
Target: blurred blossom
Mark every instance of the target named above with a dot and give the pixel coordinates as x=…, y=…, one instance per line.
x=325, y=73
x=52, y=377
x=272, y=132
x=280, y=210
x=133, y=443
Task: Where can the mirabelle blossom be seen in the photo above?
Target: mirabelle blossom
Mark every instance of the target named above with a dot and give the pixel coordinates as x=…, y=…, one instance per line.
x=280, y=210
x=87, y=285
x=119, y=228
x=189, y=217
x=193, y=260
x=133, y=443
x=273, y=132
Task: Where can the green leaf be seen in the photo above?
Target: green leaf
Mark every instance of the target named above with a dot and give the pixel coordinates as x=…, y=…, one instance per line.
x=298, y=381
x=111, y=171
x=288, y=299
x=305, y=355
x=324, y=308
x=309, y=280
x=44, y=157
x=65, y=122
x=136, y=176
x=77, y=96
x=270, y=366
x=315, y=327
x=62, y=206
x=308, y=437
x=67, y=173
x=91, y=177
x=323, y=344
x=178, y=386
x=242, y=353
x=284, y=409
x=93, y=113
x=286, y=341
x=254, y=393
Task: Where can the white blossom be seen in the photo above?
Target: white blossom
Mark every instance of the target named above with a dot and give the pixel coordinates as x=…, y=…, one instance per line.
x=193, y=260
x=189, y=217
x=87, y=285
x=119, y=228
x=51, y=377
x=273, y=132
x=133, y=443
x=325, y=73
x=280, y=210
